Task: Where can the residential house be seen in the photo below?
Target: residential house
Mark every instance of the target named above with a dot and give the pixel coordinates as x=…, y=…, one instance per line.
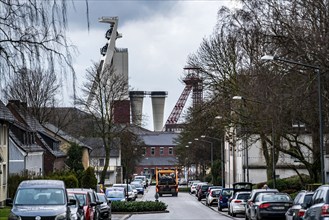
x=66, y=140
x=6, y=119
x=30, y=132
x=159, y=153
x=98, y=158
x=245, y=161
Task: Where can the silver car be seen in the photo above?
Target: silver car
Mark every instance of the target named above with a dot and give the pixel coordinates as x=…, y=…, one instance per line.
x=237, y=204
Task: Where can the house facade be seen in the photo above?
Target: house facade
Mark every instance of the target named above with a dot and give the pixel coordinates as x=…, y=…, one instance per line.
x=158, y=153
x=98, y=159
x=66, y=140
x=28, y=136
x=6, y=119
x=245, y=161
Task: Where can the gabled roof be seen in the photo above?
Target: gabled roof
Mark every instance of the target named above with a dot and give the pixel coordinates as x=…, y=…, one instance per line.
x=58, y=132
x=160, y=138
x=24, y=147
x=19, y=110
x=97, y=147
x=5, y=114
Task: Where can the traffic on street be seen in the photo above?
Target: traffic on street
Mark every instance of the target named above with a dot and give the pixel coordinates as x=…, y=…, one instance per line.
x=184, y=206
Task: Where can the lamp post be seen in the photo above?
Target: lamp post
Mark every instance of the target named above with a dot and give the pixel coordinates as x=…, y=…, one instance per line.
x=211, y=154
x=246, y=169
x=317, y=70
x=221, y=156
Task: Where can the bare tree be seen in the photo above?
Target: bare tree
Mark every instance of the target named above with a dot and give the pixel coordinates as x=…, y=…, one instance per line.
x=36, y=88
x=280, y=93
x=107, y=89
x=32, y=36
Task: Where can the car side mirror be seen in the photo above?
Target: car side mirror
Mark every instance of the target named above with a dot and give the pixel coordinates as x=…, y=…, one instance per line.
x=92, y=204
x=9, y=202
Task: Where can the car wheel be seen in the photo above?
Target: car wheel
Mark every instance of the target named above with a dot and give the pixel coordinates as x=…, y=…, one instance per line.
x=220, y=208
x=233, y=214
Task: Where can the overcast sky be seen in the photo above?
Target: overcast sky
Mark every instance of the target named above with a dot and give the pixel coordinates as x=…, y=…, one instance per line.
x=159, y=36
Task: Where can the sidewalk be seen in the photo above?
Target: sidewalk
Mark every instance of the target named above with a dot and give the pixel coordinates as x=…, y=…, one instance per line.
x=120, y=216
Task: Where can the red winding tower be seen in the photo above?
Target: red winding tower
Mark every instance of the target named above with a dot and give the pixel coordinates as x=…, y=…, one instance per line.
x=192, y=82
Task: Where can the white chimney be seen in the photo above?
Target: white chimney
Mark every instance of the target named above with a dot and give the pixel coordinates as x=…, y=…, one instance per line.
x=136, y=103
x=158, y=104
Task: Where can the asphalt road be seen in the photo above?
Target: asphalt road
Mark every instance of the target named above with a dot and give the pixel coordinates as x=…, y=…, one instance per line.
x=184, y=206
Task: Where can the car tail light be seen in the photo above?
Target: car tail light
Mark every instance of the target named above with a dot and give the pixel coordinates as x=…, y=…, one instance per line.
x=325, y=210
x=264, y=205
x=237, y=201
x=220, y=197
x=301, y=213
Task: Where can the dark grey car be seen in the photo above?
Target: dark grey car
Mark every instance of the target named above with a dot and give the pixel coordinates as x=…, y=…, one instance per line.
x=318, y=207
x=38, y=199
x=296, y=212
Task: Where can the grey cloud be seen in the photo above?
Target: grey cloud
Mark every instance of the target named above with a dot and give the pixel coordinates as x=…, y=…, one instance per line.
x=125, y=10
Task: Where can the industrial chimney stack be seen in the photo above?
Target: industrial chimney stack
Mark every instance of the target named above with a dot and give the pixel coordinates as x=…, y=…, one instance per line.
x=158, y=103
x=136, y=103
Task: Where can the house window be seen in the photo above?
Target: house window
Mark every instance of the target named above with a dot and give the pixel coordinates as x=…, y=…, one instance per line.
x=161, y=150
x=144, y=150
x=101, y=162
x=146, y=170
x=170, y=151
x=152, y=150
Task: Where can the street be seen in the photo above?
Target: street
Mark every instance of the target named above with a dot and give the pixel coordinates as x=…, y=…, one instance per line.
x=184, y=206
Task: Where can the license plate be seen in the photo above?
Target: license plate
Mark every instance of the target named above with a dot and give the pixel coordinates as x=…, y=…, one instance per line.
x=278, y=208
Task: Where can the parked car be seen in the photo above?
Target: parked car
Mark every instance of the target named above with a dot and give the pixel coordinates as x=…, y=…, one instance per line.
x=116, y=194
x=143, y=178
x=129, y=190
x=318, y=207
x=197, y=187
x=270, y=206
x=223, y=198
x=212, y=196
x=88, y=198
x=237, y=203
x=202, y=192
x=139, y=187
x=105, y=207
x=296, y=212
x=38, y=199
x=193, y=187
x=254, y=193
x=77, y=212
x=135, y=191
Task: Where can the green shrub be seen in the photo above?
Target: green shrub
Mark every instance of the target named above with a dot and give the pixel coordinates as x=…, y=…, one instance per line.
x=138, y=206
x=184, y=189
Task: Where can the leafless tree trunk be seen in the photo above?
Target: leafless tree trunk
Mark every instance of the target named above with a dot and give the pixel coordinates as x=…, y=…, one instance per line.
x=106, y=89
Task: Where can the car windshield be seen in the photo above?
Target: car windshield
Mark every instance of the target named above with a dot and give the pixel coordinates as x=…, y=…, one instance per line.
x=115, y=194
x=47, y=196
x=274, y=198
x=137, y=185
x=81, y=197
x=243, y=196
x=102, y=198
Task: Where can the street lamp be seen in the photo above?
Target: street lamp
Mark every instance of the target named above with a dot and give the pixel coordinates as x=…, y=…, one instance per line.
x=211, y=154
x=317, y=70
x=246, y=169
x=221, y=156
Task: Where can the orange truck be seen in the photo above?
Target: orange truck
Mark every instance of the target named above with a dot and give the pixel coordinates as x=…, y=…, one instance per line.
x=167, y=181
